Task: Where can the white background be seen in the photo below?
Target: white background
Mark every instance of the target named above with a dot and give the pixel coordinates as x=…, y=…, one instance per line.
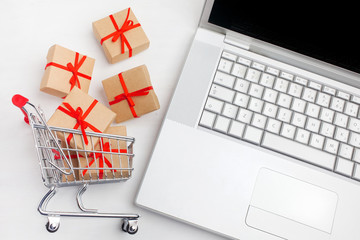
x=27, y=29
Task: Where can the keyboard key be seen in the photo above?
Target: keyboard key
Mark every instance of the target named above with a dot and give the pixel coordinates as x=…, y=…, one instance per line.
x=341, y=120
x=331, y=146
x=256, y=105
x=313, y=125
x=344, y=167
x=357, y=171
x=229, y=110
x=242, y=85
x=207, y=119
x=317, y=141
x=221, y=93
x=302, y=136
x=346, y=151
x=281, y=85
x=270, y=95
x=354, y=125
x=244, y=116
x=221, y=124
x=295, y=90
x=323, y=99
x=241, y=100
x=267, y=80
x=244, y=61
x=274, y=126
x=337, y=104
x=329, y=90
x=327, y=115
x=253, y=75
x=284, y=115
x=298, y=150
x=354, y=140
x=327, y=130
x=356, y=155
x=314, y=85
x=298, y=105
x=256, y=90
x=229, y=56
x=214, y=105
x=270, y=110
x=309, y=94
x=351, y=109
x=272, y=71
x=342, y=134
x=301, y=80
x=298, y=120
x=238, y=70
x=253, y=134
x=236, y=129
x=225, y=65
x=288, y=131
x=287, y=76
x=224, y=79
x=312, y=110
x=284, y=100
x=259, y=121
x=355, y=99
x=258, y=66
x=343, y=95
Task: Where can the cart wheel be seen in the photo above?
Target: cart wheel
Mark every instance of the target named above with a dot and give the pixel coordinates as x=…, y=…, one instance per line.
x=130, y=226
x=53, y=224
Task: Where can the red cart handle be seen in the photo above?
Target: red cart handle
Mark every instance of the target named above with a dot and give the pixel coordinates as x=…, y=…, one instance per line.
x=20, y=101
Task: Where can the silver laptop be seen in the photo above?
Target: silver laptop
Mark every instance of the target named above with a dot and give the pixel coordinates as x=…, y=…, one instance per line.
x=262, y=137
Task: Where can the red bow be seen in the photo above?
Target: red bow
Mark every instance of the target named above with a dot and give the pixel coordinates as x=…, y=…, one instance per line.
x=80, y=119
x=74, y=69
x=119, y=33
x=128, y=96
x=102, y=159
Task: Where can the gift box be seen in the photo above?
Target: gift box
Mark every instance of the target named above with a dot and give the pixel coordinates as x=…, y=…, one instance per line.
x=101, y=165
x=121, y=35
x=130, y=93
x=64, y=70
x=73, y=158
x=82, y=112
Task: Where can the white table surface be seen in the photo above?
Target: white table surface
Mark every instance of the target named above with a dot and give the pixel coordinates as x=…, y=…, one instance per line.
x=28, y=28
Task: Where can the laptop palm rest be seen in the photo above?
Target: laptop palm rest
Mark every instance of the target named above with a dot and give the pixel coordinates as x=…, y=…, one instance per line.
x=290, y=208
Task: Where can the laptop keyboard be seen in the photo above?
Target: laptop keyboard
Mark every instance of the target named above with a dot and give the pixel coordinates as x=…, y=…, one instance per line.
x=288, y=114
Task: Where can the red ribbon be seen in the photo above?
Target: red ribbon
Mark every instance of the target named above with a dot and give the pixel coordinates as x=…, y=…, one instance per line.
x=102, y=159
x=74, y=69
x=119, y=33
x=128, y=96
x=80, y=119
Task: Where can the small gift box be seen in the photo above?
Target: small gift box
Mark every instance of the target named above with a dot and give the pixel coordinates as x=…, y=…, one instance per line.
x=73, y=159
x=64, y=70
x=121, y=35
x=130, y=93
x=81, y=111
x=102, y=165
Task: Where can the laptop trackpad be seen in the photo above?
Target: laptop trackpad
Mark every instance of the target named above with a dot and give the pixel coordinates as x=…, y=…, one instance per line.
x=290, y=208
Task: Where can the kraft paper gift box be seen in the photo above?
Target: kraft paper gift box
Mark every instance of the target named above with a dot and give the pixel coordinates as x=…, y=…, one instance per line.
x=64, y=70
x=130, y=93
x=82, y=112
x=120, y=35
x=74, y=159
x=107, y=166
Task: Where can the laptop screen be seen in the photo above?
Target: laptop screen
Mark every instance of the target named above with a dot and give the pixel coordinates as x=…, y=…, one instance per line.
x=325, y=31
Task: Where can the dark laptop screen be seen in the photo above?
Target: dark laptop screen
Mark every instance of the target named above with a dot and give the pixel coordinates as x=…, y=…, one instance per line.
x=328, y=31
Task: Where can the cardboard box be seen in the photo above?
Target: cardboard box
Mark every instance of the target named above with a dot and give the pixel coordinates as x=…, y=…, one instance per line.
x=140, y=93
x=64, y=70
x=74, y=160
x=80, y=107
x=121, y=35
x=108, y=162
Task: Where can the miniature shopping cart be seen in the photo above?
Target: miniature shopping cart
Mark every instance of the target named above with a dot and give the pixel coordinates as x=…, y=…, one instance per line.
x=60, y=164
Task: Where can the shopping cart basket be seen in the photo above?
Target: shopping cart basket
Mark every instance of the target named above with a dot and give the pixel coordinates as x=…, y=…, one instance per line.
x=60, y=164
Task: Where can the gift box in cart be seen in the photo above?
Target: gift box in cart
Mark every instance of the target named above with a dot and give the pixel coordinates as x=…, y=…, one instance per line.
x=110, y=159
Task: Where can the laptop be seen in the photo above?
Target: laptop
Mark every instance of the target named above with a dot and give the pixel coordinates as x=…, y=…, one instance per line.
x=262, y=136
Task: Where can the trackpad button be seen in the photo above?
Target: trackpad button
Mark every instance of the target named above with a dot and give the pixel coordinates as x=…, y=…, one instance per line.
x=290, y=208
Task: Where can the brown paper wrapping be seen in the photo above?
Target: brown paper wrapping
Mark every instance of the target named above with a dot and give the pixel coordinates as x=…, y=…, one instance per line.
x=55, y=80
x=117, y=161
x=100, y=117
x=136, y=37
x=135, y=79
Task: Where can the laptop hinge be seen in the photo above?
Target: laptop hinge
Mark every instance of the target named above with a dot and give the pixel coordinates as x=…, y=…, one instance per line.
x=236, y=42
